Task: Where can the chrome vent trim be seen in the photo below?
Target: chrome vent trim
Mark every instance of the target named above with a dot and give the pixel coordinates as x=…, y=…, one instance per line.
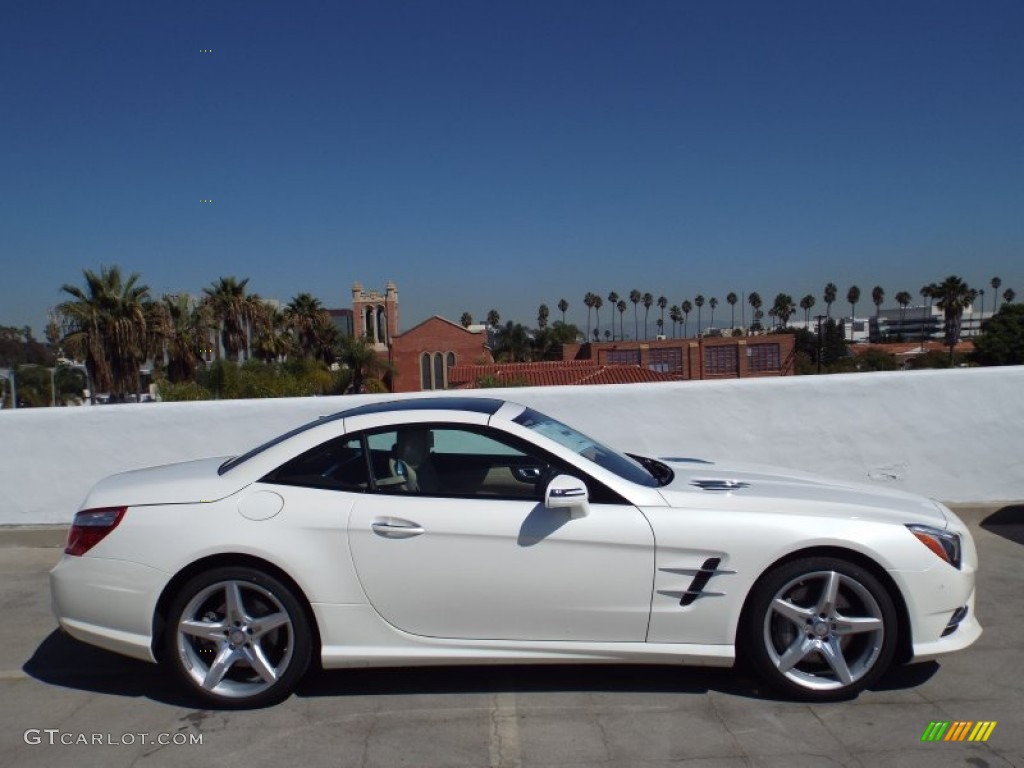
x=720, y=485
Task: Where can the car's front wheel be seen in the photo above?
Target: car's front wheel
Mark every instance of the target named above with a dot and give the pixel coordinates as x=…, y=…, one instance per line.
x=820, y=628
x=238, y=637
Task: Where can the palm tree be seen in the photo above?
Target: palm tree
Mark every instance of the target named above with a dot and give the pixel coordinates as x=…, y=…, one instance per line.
x=621, y=307
x=783, y=307
x=687, y=308
x=304, y=314
x=995, y=283
x=754, y=300
x=713, y=303
x=106, y=326
x=542, y=316
x=232, y=310
x=1009, y=295
x=588, y=302
x=831, y=291
x=598, y=303
x=635, y=297
x=927, y=293
x=699, y=301
x=662, y=303
x=952, y=296
x=467, y=319
x=562, y=306
x=273, y=341
x=903, y=299
x=807, y=304
x=359, y=357
x=853, y=296
x=613, y=302
x=675, y=314
x=648, y=302
x=513, y=344
x=179, y=329
x=732, y=298
x=493, y=318
x=877, y=297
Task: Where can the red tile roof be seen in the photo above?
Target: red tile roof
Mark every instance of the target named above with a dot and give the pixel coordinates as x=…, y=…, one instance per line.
x=555, y=373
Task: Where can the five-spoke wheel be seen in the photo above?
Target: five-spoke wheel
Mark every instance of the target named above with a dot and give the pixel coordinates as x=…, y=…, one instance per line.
x=238, y=637
x=820, y=628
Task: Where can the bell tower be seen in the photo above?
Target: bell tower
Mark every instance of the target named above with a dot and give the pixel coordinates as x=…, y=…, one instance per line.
x=375, y=315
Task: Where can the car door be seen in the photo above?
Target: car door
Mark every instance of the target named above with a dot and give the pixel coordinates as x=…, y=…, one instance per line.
x=454, y=541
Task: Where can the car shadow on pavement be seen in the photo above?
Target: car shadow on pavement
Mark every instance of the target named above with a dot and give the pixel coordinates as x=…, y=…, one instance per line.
x=62, y=661
x=1007, y=522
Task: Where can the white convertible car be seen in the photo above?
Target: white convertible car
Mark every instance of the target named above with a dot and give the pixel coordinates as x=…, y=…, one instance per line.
x=479, y=531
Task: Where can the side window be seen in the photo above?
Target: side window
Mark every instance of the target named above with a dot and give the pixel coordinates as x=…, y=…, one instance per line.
x=337, y=465
x=456, y=462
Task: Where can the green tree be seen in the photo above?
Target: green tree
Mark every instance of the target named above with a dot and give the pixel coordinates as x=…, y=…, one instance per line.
x=903, y=299
x=687, y=308
x=493, y=318
x=233, y=311
x=648, y=302
x=542, y=316
x=1001, y=341
x=613, y=304
x=635, y=296
x=662, y=303
x=598, y=303
x=106, y=324
x=1009, y=295
x=360, y=358
x=731, y=299
x=182, y=336
x=563, y=305
x=831, y=292
x=620, y=305
x=807, y=304
x=853, y=296
x=467, y=319
x=877, y=297
x=995, y=283
x=755, y=302
x=588, y=302
x=675, y=314
x=783, y=308
x=305, y=315
x=512, y=344
x=952, y=296
x=699, y=301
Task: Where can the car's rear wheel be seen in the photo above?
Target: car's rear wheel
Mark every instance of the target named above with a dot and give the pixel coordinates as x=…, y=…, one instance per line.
x=820, y=628
x=238, y=637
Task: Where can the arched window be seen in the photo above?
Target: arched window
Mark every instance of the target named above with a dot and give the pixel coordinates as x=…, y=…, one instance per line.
x=425, y=372
x=449, y=362
x=439, y=377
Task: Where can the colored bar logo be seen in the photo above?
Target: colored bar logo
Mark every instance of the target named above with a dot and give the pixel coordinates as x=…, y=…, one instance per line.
x=958, y=730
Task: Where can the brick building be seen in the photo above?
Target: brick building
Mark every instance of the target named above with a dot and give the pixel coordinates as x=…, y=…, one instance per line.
x=712, y=357
x=422, y=357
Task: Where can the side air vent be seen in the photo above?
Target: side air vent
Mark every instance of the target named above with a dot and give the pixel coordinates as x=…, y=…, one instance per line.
x=700, y=580
x=720, y=485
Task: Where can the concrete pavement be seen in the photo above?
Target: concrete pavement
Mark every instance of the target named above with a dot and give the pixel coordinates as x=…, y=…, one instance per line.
x=53, y=689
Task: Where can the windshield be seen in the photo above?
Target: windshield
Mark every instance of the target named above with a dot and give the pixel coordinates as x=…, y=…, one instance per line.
x=588, y=448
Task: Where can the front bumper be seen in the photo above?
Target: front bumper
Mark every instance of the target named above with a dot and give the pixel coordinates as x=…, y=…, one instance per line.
x=107, y=603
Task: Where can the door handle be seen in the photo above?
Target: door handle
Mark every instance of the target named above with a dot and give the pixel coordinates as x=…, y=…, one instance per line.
x=396, y=529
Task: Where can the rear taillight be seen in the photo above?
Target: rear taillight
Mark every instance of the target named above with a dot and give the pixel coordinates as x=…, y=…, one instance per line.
x=90, y=528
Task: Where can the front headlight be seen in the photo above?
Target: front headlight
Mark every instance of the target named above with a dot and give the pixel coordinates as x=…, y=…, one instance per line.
x=943, y=543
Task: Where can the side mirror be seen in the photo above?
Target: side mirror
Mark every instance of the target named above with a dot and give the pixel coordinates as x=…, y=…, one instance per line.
x=567, y=492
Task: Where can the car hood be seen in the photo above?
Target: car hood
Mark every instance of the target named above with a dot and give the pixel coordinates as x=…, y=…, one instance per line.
x=696, y=481
x=183, y=483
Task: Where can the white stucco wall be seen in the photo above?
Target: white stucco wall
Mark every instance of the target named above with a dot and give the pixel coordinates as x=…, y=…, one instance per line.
x=953, y=435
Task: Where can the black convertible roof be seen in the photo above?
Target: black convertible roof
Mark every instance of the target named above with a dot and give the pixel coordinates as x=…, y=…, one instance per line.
x=488, y=405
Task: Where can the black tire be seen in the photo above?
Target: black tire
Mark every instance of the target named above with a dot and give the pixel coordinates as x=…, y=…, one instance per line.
x=810, y=648
x=237, y=658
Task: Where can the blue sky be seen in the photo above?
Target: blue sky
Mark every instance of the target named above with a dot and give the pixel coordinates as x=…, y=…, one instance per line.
x=498, y=155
